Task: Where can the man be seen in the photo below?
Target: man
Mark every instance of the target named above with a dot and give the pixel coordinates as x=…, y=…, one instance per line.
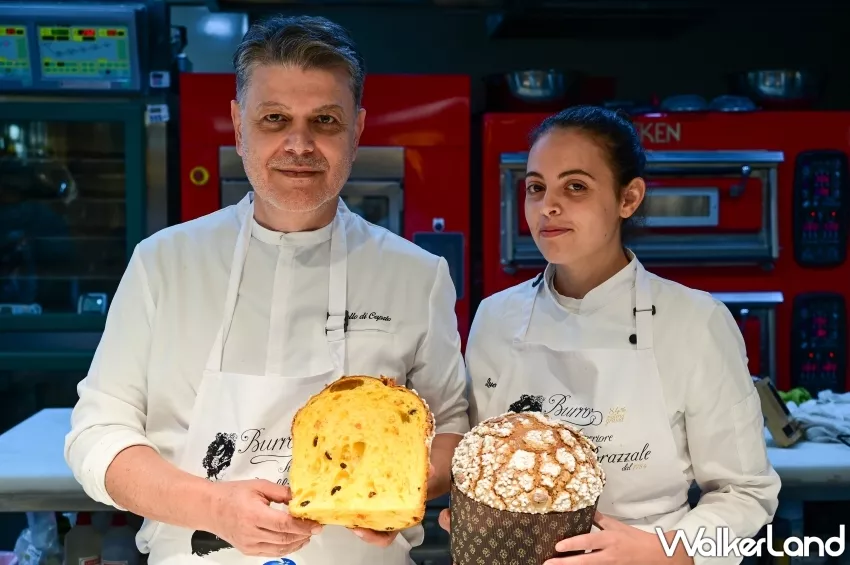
x=224, y=326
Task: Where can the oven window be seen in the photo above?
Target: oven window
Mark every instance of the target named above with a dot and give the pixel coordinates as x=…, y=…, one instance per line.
x=63, y=240
x=681, y=208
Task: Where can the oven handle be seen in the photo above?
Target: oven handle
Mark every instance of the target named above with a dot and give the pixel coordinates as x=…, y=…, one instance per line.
x=735, y=190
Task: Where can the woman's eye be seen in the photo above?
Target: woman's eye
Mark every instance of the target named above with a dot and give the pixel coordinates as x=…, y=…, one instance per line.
x=533, y=188
x=576, y=187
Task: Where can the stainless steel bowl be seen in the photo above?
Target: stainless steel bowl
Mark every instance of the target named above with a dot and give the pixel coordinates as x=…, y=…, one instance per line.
x=781, y=85
x=537, y=85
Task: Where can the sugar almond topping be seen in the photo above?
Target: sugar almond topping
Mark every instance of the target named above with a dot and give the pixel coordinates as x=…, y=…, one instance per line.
x=528, y=463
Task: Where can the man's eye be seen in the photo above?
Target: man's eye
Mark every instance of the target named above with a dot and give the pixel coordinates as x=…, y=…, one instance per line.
x=274, y=118
x=325, y=119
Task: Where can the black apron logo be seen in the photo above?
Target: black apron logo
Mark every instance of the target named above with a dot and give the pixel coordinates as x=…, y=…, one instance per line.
x=527, y=403
x=219, y=455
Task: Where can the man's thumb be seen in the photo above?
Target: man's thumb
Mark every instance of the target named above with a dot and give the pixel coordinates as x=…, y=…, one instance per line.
x=275, y=492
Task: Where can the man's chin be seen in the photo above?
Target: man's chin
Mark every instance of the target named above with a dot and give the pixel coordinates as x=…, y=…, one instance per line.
x=298, y=202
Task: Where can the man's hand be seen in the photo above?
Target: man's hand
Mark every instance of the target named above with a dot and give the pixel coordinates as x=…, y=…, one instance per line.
x=617, y=543
x=243, y=518
x=382, y=539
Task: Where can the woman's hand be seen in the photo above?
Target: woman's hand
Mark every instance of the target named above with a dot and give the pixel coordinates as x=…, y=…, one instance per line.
x=617, y=543
x=382, y=539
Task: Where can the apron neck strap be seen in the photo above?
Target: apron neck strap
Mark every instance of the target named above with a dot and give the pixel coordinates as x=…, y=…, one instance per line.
x=643, y=310
x=337, y=287
x=337, y=321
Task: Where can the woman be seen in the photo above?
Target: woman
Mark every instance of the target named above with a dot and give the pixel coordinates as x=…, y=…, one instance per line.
x=654, y=372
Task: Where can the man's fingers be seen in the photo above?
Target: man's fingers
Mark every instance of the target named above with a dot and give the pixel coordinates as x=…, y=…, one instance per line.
x=608, y=523
x=431, y=471
x=274, y=492
x=445, y=519
x=280, y=521
x=279, y=538
x=584, y=542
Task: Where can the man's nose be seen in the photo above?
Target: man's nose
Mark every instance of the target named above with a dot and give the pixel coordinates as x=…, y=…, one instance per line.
x=298, y=139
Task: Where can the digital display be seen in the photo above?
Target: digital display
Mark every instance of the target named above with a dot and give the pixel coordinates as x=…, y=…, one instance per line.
x=85, y=52
x=14, y=55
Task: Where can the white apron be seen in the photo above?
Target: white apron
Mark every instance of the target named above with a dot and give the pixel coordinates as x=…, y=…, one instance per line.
x=614, y=395
x=240, y=427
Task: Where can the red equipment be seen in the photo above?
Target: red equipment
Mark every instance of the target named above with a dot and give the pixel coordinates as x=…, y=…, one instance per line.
x=411, y=174
x=751, y=207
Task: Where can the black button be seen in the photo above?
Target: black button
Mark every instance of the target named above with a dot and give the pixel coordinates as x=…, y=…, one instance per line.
x=633, y=339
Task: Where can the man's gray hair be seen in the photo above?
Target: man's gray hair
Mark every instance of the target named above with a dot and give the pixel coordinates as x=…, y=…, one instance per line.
x=307, y=42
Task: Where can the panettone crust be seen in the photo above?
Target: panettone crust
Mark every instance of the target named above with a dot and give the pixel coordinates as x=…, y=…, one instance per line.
x=526, y=462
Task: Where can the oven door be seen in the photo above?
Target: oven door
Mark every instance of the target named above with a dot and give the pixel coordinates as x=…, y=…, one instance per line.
x=700, y=208
x=72, y=209
x=374, y=189
x=755, y=313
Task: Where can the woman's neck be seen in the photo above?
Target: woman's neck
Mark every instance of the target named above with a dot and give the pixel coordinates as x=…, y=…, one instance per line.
x=577, y=279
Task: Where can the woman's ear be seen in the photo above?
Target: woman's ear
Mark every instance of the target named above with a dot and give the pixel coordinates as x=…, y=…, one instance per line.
x=633, y=195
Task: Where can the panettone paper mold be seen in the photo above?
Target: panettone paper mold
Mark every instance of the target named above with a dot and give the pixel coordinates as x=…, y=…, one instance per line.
x=521, y=482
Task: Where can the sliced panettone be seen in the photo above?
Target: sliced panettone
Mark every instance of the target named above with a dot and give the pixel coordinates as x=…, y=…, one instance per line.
x=360, y=455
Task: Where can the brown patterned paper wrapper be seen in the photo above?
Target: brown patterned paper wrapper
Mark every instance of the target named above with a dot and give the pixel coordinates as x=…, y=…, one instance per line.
x=481, y=535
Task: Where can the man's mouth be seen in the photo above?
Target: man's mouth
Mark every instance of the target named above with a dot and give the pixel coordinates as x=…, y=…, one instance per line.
x=299, y=173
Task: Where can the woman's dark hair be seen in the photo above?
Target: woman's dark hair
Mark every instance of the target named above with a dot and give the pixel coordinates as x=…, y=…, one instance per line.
x=614, y=131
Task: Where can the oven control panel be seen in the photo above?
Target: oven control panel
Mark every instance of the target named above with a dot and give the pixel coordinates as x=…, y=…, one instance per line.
x=819, y=343
x=820, y=208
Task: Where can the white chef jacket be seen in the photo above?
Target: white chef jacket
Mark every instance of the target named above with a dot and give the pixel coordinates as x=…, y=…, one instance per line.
x=142, y=383
x=708, y=390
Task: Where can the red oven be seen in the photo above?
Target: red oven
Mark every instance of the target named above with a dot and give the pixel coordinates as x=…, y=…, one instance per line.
x=411, y=174
x=751, y=207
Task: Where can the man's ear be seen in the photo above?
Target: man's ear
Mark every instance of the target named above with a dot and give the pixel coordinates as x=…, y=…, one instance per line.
x=359, y=125
x=236, y=117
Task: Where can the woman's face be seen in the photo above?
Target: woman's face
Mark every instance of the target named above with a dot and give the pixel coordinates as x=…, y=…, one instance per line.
x=571, y=203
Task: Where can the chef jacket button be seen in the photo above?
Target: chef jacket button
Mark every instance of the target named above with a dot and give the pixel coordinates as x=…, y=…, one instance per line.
x=633, y=339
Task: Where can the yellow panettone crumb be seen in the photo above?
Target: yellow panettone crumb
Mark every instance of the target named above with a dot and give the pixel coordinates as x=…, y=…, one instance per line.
x=360, y=455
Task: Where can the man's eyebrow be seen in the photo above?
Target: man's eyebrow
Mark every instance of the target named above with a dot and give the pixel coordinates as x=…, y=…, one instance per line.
x=327, y=108
x=264, y=105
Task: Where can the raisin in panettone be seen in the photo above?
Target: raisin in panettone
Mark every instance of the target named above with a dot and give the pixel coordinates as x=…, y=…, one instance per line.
x=361, y=454
x=521, y=482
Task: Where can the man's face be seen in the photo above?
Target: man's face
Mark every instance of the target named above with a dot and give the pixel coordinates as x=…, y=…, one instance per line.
x=297, y=134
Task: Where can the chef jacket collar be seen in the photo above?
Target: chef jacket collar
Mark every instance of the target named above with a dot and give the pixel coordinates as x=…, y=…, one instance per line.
x=295, y=239
x=622, y=281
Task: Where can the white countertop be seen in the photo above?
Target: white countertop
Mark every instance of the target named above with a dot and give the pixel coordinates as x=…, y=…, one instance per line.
x=34, y=475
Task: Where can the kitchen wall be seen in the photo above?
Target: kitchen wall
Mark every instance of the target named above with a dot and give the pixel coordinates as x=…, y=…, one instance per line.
x=416, y=40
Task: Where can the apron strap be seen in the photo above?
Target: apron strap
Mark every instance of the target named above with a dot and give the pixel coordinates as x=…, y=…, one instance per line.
x=337, y=321
x=240, y=252
x=644, y=309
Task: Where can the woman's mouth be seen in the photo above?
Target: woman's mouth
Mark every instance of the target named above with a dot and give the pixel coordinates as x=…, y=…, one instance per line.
x=554, y=232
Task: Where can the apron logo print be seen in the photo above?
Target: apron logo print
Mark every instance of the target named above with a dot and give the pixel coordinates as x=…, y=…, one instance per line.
x=367, y=316
x=616, y=415
x=219, y=454
x=490, y=384
x=205, y=543
x=527, y=403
